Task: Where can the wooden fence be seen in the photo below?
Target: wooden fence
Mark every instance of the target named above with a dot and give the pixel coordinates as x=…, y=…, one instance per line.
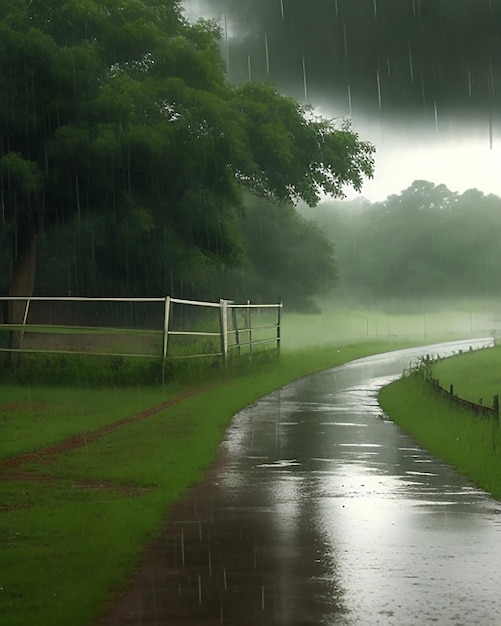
x=478, y=409
x=231, y=328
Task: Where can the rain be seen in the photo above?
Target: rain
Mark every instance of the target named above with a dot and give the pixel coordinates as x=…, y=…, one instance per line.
x=389, y=67
x=317, y=509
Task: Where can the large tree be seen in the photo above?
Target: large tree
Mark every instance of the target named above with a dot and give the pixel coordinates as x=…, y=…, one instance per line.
x=121, y=108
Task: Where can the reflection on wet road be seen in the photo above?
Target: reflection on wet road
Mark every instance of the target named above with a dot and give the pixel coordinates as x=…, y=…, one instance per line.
x=322, y=511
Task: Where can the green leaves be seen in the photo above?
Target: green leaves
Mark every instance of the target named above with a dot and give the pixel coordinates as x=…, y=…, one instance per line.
x=119, y=112
x=294, y=155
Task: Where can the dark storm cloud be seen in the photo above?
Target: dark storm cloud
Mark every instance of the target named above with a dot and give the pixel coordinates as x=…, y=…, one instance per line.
x=383, y=54
x=421, y=79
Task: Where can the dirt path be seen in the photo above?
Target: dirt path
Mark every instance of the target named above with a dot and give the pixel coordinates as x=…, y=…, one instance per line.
x=80, y=441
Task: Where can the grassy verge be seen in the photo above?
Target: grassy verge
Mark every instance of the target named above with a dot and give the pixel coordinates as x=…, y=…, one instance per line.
x=474, y=375
x=470, y=443
x=73, y=528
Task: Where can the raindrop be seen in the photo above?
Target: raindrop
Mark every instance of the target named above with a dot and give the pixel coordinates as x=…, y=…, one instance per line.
x=469, y=83
x=267, y=53
x=210, y=564
x=491, y=77
x=345, y=38
x=262, y=598
x=423, y=91
x=349, y=101
x=182, y=546
x=225, y=582
x=249, y=68
x=411, y=63
x=337, y=8
x=375, y=9
x=282, y=9
x=378, y=88
x=226, y=42
x=199, y=589
x=435, y=108
x=305, y=84
x=490, y=130
x=388, y=67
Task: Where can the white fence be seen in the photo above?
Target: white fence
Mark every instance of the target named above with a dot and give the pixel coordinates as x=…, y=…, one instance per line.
x=231, y=327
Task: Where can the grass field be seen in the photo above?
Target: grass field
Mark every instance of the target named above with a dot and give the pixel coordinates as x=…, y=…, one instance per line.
x=474, y=375
x=471, y=443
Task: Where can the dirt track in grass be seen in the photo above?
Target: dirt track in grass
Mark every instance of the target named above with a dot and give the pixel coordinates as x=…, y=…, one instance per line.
x=47, y=454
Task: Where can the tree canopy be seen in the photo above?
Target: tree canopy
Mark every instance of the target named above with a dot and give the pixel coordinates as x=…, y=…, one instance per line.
x=121, y=109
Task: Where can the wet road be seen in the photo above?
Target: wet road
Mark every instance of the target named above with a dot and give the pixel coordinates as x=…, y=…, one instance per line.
x=322, y=511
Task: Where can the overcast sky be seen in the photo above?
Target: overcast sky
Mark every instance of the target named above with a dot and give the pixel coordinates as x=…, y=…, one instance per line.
x=421, y=79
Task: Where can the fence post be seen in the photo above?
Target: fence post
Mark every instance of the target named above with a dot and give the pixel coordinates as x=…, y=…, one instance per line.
x=249, y=326
x=279, y=320
x=224, y=329
x=165, y=342
x=235, y=328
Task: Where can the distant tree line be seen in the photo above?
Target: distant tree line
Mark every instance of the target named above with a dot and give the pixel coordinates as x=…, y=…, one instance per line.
x=425, y=241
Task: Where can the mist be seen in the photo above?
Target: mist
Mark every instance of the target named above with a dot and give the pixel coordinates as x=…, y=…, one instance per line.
x=418, y=78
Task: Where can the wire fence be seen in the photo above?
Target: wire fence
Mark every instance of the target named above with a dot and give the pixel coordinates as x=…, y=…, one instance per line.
x=479, y=409
x=162, y=328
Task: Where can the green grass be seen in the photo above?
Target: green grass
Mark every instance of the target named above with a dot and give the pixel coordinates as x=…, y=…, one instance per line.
x=336, y=325
x=32, y=417
x=474, y=375
x=470, y=443
x=68, y=544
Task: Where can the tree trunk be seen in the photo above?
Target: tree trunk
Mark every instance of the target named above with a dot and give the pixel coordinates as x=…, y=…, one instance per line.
x=22, y=282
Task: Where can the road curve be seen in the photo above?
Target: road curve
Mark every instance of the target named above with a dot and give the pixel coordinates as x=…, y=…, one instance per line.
x=321, y=511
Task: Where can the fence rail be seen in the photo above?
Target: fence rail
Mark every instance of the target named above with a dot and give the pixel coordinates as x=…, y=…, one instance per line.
x=478, y=409
x=233, y=327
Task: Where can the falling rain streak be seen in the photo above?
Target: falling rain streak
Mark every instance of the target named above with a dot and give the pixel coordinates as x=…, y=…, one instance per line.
x=226, y=42
x=411, y=63
x=305, y=83
x=378, y=88
x=427, y=63
x=491, y=76
x=267, y=54
x=345, y=40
